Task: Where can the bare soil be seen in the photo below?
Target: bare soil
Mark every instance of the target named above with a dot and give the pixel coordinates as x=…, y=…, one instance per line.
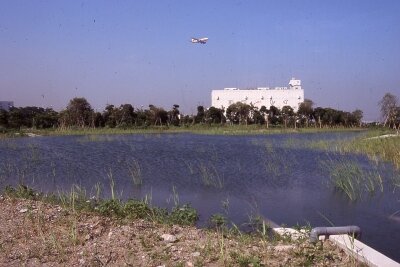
x=34, y=233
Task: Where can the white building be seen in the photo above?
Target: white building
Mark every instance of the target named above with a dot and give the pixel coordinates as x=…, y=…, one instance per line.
x=261, y=96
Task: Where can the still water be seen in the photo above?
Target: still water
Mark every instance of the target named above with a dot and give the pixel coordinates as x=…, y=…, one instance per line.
x=286, y=177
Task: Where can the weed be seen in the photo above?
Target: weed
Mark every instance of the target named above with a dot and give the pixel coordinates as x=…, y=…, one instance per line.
x=245, y=260
x=217, y=220
x=74, y=233
x=135, y=172
x=111, y=207
x=184, y=215
x=174, y=196
x=136, y=209
x=349, y=178
x=22, y=191
x=112, y=182
x=210, y=176
x=97, y=187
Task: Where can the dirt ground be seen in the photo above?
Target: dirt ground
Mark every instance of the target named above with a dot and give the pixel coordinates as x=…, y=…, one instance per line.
x=34, y=233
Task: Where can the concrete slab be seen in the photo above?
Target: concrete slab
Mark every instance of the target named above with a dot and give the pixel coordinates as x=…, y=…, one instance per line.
x=351, y=246
x=362, y=252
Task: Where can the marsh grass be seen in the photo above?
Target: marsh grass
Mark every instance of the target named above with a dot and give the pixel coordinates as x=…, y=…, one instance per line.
x=368, y=143
x=110, y=176
x=279, y=164
x=210, y=129
x=135, y=171
x=348, y=177
x=76, y=200
x=387, y=149
x=210, y=176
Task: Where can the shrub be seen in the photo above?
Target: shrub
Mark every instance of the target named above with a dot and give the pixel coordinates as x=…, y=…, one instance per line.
x=111, y=207
x=217, y=220
x=184, y=215
x=136, y=209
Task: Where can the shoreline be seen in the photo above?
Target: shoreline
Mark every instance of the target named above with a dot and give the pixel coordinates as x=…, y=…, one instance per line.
x=34, y=232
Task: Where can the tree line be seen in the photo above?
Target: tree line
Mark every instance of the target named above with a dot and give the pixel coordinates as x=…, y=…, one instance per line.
x=80, y=114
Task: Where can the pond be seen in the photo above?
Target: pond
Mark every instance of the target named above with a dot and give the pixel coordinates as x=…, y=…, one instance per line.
x=287, y=178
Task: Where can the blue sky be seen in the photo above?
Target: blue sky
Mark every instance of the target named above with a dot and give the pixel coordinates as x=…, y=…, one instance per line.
x=347, y=53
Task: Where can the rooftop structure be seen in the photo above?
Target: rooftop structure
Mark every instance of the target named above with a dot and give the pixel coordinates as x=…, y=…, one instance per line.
x=279, y=97
x=6, y=105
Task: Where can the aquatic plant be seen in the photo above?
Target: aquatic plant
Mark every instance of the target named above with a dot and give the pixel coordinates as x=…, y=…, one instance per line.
x=77, y=200
x=97, y=188
x=210, y=176
x=111, y=207
x=190, y=166
x=135, y=171
x=112, y=182
x=174, y=196
x=22, y=191
x=386, y=148
x=183, y=215
x=348, y=177
x=136, y=209
x=217, y=220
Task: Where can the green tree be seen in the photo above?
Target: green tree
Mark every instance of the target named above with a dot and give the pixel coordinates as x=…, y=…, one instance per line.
x=47, y=118
x=274, y=115
x=215, y=115
x=109, y=116
x=357, y=116
x=98, y=120
x=15, y=118
x=388, y=106
x=256, y=116
x=156, y=116
x=287, y=114
x=125, y=116
x=78, y=113
x=174, y=115
x=3, y=118
x=238, y=113
x=200, y=115
x=265, y=113
x=306, y=111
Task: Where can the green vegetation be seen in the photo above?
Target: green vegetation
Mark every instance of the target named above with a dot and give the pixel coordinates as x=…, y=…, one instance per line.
x=210, y=176
x=79, y=114
x=213, y=129
x=376, y=147
x=77, y=200
x=348, y=177
x=49, y=233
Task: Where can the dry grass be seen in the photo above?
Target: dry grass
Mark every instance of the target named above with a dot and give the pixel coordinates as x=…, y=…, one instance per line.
x=35, y=233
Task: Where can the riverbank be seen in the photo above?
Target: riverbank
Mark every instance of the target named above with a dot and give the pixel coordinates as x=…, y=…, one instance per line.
x=214, y=129
x=34, y=232
x=377, y=145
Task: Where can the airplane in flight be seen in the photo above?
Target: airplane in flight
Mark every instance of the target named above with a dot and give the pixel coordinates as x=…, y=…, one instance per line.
x=199, y=40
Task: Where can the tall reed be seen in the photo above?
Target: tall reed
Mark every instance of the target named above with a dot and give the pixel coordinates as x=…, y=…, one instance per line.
x=210, y=176
x=348, y=177
x=135, y=171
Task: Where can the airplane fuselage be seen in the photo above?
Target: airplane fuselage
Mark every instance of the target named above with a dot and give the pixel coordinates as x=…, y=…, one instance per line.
x=199, y=40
